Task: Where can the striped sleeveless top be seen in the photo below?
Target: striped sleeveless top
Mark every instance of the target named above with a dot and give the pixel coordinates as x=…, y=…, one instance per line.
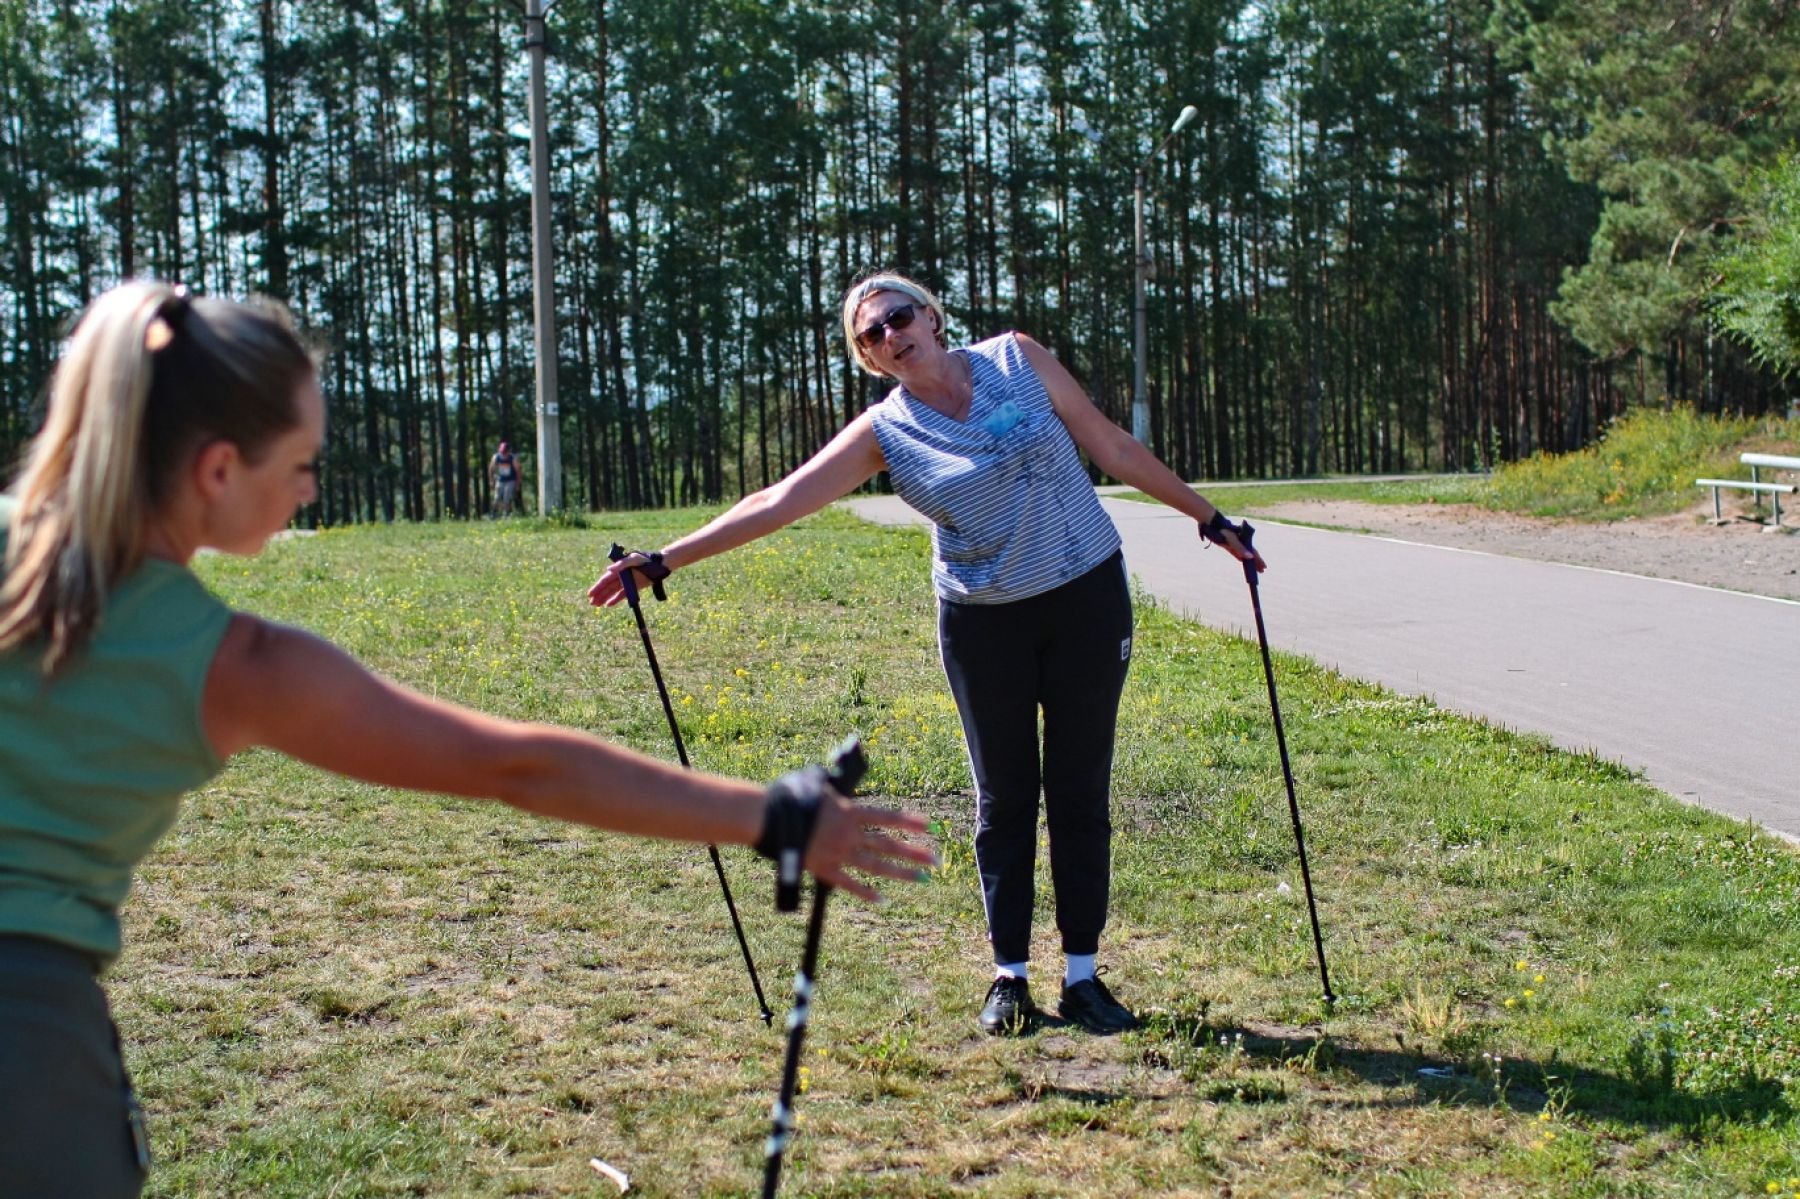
x=1013, y=513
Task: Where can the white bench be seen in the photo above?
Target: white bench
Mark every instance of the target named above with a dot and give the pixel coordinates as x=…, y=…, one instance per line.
x=1761, y=462
x=1773, y=490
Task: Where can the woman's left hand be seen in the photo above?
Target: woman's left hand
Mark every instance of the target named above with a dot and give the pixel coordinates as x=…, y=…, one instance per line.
x=609, y=589
x=1228, y=538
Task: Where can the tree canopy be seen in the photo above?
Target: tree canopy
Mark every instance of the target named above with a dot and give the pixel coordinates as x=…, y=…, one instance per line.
x=1757, y=297
x=1400, y=234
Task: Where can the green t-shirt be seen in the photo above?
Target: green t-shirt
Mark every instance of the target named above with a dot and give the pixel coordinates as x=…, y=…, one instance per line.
x=93, y=762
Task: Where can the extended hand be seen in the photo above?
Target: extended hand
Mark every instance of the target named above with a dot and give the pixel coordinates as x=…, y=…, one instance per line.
x=1220, y=531
x=1235, y=547
x=846, y=838
x=608, y=590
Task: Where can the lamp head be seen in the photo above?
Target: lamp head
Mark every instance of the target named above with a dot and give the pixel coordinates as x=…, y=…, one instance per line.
x=1181, y=122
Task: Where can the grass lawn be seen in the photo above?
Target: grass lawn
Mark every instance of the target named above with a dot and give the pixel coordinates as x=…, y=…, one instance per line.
x=1556, y=981
x=1644, y=465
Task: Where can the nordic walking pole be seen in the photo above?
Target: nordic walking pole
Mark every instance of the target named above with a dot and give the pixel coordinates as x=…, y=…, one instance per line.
x=1244, y=533
x=629, y=581
x=846, y=770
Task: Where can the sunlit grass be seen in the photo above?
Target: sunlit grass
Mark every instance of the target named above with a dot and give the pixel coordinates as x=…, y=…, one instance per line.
x=338, y=989
x=1644, y=465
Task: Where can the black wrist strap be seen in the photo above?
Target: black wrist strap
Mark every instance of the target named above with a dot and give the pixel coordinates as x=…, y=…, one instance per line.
x=1214, y=530
x=788, y=822
x=655, y=570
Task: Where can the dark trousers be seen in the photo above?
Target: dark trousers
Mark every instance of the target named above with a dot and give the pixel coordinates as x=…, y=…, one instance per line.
x=69, y=1126
x=1065, y=651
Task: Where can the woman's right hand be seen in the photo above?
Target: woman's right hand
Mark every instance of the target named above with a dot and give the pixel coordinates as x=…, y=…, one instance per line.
x=609, y=589
x=847, y=837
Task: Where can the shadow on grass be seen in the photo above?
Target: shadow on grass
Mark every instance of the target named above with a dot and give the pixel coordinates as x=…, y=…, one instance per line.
x=1416, y=1079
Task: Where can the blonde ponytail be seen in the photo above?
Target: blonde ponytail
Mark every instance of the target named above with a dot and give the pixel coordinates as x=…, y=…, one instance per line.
x=146, y=377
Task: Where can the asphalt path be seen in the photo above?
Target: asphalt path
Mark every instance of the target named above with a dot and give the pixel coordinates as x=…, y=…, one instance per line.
x=1684, y=683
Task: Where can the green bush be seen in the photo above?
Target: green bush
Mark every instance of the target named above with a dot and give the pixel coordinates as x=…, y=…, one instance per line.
x=1646, y=463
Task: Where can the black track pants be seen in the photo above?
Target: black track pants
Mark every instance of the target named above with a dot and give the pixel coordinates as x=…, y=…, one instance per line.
x=1067, y=652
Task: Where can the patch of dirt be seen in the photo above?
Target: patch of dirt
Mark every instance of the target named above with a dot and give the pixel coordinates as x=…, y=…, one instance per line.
x=1739, y=556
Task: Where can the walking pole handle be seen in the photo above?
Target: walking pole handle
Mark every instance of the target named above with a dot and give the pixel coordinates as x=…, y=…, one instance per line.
x=793, y=810
x=625, y=577
x=846, y=766
x=1245, y=531
x=654, y=570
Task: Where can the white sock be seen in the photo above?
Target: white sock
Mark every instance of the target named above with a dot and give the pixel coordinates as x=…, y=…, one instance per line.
x=1011, y=969
x=1079, y=969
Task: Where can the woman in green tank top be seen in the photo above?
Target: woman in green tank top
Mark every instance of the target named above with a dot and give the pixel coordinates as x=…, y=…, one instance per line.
x=176, y=425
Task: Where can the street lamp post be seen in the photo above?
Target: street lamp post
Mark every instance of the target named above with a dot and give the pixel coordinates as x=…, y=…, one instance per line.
x=1140, y=400
x=543, y=289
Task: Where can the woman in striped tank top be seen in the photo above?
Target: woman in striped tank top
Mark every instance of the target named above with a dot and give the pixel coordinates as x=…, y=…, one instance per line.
x=1033, y=608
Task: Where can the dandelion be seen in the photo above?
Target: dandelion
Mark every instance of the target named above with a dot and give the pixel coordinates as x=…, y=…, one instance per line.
x=1774, y=1188
x=1521, y=964
x=1543, y=1117
x=1511, y=1002
x=1537, y=978
x=1529, y=992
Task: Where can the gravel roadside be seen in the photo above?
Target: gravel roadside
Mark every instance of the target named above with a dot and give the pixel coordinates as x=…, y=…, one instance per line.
x=1739, y=556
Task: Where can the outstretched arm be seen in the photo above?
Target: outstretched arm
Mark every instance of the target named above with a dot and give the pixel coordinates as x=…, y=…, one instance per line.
x=1117, y=452
x=285, y=689
x=848, y=461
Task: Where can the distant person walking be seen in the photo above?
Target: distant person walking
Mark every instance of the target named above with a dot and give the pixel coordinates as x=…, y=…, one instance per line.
x=503, y=478
x=176, y=425
x=1033, y=608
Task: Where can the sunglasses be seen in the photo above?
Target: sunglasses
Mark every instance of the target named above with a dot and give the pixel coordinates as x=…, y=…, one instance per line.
x=876, y=333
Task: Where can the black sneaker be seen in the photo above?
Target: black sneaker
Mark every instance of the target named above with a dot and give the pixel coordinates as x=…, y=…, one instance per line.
x=1089, y=1004
x=1008, y=1010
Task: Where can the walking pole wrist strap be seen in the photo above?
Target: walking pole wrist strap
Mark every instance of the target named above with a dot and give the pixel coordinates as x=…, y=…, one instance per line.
x=656, y=570
x=788, y=821
x=1214, y=530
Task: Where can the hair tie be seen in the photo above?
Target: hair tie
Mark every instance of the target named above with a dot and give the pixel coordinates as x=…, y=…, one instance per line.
x=170, y=314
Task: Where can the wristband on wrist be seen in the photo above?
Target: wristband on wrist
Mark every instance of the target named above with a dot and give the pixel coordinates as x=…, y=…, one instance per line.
x=791, y=813
x=655, y=569
x=1213, y=530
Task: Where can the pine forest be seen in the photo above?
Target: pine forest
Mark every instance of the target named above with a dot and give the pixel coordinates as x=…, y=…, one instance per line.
x=1398, y=235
